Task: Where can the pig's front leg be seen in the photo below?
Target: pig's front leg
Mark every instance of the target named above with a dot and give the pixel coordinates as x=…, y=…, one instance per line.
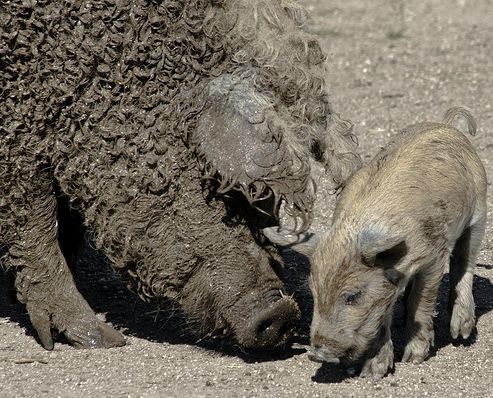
x=420, y=311
x=44, y=282
x=378, y=366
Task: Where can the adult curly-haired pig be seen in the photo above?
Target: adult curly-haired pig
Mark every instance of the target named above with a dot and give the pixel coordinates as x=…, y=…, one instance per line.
x=420, y=203
x=176, y=129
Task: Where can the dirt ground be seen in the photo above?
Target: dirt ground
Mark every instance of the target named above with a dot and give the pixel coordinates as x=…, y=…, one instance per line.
x=391, y=63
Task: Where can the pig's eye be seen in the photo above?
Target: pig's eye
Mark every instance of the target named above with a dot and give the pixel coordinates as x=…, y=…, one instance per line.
x=352, y=298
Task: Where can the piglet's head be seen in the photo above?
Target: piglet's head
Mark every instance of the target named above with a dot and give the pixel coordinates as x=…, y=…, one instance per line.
x=354, y=281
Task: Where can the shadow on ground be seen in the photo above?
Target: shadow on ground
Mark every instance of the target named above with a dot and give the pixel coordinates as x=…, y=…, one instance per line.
x=106, y=293
x=297, y=272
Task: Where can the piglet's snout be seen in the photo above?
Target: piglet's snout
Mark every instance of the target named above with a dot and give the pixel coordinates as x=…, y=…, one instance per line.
x=322, y=354
x=324, y=348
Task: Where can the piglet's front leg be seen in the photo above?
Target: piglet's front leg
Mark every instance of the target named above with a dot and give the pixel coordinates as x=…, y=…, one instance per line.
x=420, y=310
x=377, y=366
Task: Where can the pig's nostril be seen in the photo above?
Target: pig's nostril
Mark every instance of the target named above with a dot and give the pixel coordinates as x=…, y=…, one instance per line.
x=274, y=328
x=285, y=329
x=271, y=326
x=265, y=327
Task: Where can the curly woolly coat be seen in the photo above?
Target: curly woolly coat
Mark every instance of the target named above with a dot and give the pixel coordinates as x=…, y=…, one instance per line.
x=133, y=107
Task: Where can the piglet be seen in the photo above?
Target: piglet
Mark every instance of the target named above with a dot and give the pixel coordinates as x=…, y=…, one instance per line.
x=417, y=207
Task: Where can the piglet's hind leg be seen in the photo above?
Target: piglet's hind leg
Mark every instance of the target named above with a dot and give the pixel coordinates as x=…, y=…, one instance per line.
x=462, y=265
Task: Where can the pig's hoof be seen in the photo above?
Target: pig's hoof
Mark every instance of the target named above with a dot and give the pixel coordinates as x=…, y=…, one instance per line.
x=417, y=350
x=100, y=335
x=378, y=366
x=462, y=320
x=82, y=331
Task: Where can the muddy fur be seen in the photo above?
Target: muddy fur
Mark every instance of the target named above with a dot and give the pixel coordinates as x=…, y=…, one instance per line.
x=420, y=203
x=151, y=117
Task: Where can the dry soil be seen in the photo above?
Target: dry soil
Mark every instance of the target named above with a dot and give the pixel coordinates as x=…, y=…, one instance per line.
x=391, y=63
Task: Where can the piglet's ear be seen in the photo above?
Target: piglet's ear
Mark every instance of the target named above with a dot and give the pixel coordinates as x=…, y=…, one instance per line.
x=380, y=248
x=304, y=243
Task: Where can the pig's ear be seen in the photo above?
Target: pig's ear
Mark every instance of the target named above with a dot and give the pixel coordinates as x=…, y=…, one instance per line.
x=380, y=248
x=304, y=243
x=231, y=135
x=243, y=143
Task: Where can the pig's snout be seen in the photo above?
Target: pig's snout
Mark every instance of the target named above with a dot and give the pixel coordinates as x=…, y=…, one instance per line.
x=272, y=325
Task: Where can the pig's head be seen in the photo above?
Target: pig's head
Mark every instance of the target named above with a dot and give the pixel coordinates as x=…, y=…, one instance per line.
x=258, y=156
x=238, y=291
x=249, y=157
x=354, y=281
x=255, y=124
x=245, y=155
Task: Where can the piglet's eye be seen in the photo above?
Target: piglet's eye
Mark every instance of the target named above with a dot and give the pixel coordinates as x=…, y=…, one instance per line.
x=352, y=298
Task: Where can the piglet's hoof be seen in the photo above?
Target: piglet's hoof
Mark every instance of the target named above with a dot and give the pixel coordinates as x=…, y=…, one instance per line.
x=418, y=348
x=101, y=336
x=462, y=320
x=378, y=366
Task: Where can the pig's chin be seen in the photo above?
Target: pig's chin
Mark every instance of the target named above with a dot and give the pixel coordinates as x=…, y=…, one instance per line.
x=339, y=353
x=356, y=355
x=344, y=356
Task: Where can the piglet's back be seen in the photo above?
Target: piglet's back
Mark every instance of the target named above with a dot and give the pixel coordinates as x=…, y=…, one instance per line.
x=430, y=168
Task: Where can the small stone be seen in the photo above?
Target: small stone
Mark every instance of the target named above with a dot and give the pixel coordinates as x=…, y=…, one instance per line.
x=21, y=361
